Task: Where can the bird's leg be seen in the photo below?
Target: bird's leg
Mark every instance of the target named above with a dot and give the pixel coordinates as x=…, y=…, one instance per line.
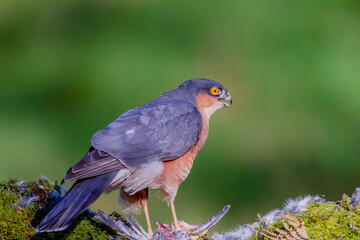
x=176, y=224
x=143, y=200
x=150, y=231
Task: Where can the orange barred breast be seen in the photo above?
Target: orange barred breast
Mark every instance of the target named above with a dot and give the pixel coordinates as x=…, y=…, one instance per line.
x=176, y=171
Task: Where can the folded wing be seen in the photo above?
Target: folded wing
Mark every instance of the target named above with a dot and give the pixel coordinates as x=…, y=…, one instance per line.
x=156, y=131
x=94, y=163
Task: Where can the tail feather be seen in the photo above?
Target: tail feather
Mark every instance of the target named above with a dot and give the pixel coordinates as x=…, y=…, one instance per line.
x=82, y=194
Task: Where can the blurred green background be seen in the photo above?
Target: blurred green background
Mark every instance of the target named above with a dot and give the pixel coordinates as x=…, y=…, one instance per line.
x=69, y=68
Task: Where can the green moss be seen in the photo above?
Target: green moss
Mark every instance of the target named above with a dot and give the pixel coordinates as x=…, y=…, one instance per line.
x=17, y=222
x=330, y=220
x=14, y=220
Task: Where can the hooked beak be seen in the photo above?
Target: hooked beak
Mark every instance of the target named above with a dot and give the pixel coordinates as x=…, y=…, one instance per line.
x=226, y=97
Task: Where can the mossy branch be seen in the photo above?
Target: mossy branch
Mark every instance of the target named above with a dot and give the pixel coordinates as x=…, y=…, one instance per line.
x=24, y=204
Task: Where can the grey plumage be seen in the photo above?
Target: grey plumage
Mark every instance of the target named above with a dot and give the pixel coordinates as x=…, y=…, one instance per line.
x=298, y=204
x=26, y=202
x=125, y=228
x=272, y=216
x=355, y=198
x=156, y=131
x=242, y=232
x=161, y=130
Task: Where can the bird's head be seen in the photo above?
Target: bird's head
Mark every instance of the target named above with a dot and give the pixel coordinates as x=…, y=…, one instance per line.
x=209, y=94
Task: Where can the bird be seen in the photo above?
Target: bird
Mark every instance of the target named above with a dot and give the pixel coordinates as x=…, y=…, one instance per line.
x=150, y=146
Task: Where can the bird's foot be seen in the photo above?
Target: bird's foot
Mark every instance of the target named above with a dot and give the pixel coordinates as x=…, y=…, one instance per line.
x=150, y=231
x=180, y=227
x=183, y=226
x=187, y=231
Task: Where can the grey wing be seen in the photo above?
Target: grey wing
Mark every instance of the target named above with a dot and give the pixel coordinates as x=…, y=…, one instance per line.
x=94, y=163
x=156, y=131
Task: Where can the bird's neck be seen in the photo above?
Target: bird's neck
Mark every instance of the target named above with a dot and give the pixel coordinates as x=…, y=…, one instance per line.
x=207, y=106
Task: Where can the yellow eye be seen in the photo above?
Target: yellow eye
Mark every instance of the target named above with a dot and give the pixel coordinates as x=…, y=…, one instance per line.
x=214, y=91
